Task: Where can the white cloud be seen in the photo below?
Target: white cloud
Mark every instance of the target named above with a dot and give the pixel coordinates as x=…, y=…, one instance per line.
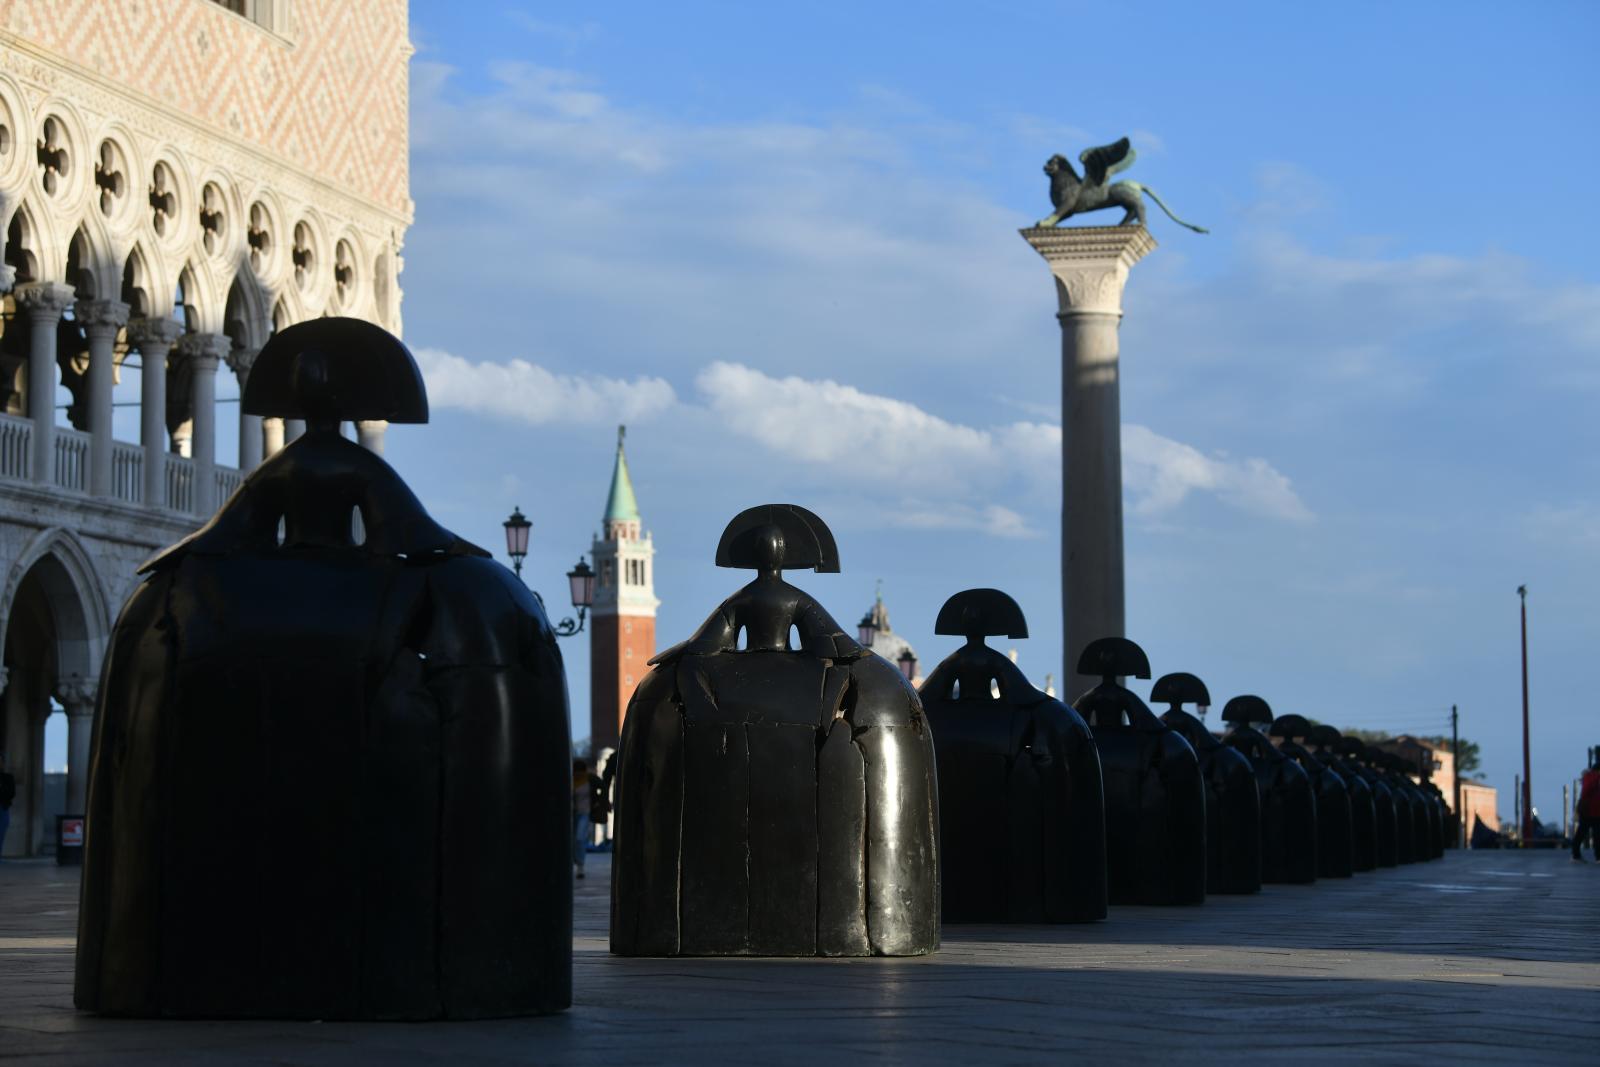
x=867, y=437
x=529, y=393
x=1161, y=472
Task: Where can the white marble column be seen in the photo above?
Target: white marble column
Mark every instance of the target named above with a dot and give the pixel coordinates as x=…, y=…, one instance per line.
x=77, y=696
x=102, y=320
x=1090, y=266
x=44, y=302
x=154, y=339
x=205, y=352
x=251, y=439
x=370, y=435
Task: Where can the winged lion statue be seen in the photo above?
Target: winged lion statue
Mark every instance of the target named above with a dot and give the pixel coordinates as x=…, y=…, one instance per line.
x=1072, y=195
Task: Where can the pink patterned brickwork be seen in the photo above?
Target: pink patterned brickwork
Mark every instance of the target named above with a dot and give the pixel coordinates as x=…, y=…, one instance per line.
x=328, y=96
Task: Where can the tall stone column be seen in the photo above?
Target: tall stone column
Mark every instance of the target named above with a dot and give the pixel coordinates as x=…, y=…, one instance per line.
x=271, y=437
x=154, y=339
x=250, y=430
x=1090, y=266
x=44, y=302
x=77, y=696
x=204, y=351
x=102, y=320
x=370, y=435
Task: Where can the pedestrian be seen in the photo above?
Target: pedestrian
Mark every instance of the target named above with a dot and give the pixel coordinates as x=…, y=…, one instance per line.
x=1588, y=813
x=8, y=793
x=581, y=791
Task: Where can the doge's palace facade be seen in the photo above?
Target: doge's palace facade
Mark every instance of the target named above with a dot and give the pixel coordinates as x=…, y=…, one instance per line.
x=178, y=179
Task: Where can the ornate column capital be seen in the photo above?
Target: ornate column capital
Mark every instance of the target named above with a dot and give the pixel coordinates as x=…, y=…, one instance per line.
x=48, y=298
x=107, y=316
x=240, y=360
x=206, y=350
x=155, y=333
x=77, y=694
x=1090, y=263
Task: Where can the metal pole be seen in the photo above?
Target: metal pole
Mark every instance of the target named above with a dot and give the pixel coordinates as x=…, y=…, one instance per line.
x=1455, y=773
x=1516, y=801
x=1527, y=785
x=1563, y=810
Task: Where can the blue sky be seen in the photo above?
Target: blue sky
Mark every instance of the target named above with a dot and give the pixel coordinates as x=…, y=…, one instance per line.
x=780, y=244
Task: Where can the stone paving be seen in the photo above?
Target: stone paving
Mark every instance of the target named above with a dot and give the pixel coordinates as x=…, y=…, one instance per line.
x=1480, y=957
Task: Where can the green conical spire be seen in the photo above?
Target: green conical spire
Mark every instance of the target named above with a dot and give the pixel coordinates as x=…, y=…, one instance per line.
x=621, y=506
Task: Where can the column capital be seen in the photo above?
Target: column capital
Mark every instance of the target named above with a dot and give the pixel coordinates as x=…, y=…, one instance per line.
x=76, y=694
x=156, y=333
x=1090, y=263
x=240, y=360
x=205, y=349
x=109, y=315
x=50, y=298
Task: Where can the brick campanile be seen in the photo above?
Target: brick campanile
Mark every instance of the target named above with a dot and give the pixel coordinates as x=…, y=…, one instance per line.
x=622, y=633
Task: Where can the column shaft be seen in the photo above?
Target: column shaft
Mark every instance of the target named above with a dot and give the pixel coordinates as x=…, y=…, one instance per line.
x=250, y=429
x=370, y=435
x=153, y=338
x=102, y=319
x=1091, y=485
x=204, y=351
x=80, y=728
x=44, y=302
x=272, y=437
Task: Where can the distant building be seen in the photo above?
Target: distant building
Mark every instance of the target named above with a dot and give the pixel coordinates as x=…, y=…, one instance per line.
x=178, y=179
x=622, y=630
x=885, y=642
x=1478, y=799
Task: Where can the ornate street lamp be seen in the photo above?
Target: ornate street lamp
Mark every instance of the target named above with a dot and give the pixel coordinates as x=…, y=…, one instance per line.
x=866, y=630
x=580, y=579
x=908, y=664
x=517, y=528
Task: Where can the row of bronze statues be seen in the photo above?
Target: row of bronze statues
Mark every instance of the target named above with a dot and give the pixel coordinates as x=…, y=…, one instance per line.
x=329, y=775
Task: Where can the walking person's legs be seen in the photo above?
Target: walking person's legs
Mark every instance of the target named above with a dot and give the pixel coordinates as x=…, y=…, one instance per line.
x=580, y=841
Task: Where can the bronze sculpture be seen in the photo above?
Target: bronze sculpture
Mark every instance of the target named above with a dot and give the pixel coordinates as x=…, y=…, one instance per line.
x=329, y=775
x=1071, y=195
x=1324, y=741
x=1233, y=800
x=1335, y=836
x=1155, y=799
x=1288, y=803
x=775, y=799
x=1021, y=812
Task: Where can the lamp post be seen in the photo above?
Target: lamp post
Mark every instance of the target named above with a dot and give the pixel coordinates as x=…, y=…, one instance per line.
x=580, y=579
x=908, y=664
x=866, y=630
x=1527, y=788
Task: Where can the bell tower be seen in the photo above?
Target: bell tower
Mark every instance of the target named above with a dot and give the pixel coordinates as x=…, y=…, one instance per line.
x=622, y=633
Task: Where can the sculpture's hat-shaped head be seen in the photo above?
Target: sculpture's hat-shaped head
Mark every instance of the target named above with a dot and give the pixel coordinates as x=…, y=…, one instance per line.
x=1180, y=688
x=334, y=370
x=1246, y=709
x=1325, y=736
x=775, y=537
x=1291, y=726
x=980, y=613
x=1353, y=747
x=1113, y=657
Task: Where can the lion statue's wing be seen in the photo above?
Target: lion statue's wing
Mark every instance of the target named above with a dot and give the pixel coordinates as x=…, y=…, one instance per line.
x=1100, y=163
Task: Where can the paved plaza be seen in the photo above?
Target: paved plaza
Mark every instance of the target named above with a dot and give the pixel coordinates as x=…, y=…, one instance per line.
x=1481, y=957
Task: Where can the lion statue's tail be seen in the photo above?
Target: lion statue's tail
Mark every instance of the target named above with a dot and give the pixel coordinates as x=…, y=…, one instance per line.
x=1152, y=194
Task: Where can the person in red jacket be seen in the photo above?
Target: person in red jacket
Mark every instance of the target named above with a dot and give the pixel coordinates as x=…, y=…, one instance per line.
x=1588, y=813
